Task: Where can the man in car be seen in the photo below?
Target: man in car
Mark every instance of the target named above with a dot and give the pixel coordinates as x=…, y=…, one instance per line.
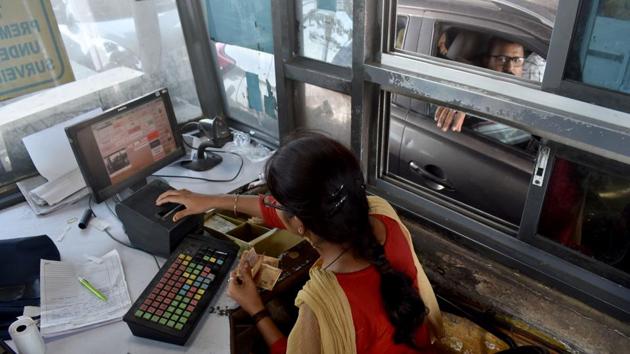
x=503, y=56
x=561, y=218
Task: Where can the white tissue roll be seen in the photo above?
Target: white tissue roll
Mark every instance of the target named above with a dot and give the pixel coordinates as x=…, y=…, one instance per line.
x=26, y=336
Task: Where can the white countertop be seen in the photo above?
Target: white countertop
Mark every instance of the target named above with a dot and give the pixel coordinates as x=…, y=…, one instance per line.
x=212, y=334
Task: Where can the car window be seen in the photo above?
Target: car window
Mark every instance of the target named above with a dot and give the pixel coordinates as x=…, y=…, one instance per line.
x=492, y=52
x=465, y=30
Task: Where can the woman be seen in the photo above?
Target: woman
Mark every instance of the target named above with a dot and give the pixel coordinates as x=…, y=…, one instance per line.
x=367, y=293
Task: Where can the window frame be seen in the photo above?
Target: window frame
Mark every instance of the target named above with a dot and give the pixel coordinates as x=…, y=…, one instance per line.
x=428, y=79
x=554, y=80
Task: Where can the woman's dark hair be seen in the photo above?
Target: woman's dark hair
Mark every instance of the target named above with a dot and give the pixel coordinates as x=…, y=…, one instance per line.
x=319, y=180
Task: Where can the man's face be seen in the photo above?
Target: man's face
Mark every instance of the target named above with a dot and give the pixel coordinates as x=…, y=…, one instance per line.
x=507, y=57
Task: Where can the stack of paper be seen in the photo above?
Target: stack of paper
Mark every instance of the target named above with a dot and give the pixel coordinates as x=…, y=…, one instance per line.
x=67, y=306
x=52, y=155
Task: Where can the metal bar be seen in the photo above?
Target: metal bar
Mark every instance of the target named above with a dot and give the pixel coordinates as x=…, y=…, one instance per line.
x=366, y=39
x=560, y=42
x=314, y=72
x=284, y=28
x=534, y=202
x=581, y=125
x=203, y=58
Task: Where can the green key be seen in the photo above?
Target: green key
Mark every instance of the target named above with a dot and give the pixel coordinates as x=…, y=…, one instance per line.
x=163, y=321
x=155, y=318
x=183, y=319
x=139, y=313
x=199, y=266
x=146, y=316
x=175, y=303
x=167, y=315
x=179, y=326
x=186, y=300
x=187, y=314
x=182, y=305
x=170, y=323
x=174, y=318
x=170, y=309
x=196, y=272
x=178, y=298
x=178, y=312
x=206, y=258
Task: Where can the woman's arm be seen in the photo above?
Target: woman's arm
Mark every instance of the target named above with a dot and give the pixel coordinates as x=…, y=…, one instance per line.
x=196, y=203
x=242, y=289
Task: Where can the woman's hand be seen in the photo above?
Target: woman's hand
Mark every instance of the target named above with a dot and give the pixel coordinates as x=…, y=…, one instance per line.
x=195, y=203
x=242, y=289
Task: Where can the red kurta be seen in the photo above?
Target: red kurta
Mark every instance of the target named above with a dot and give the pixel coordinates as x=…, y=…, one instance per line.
x=374, y=332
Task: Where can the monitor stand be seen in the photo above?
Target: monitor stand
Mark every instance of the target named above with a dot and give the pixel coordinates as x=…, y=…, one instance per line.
x=205, y=159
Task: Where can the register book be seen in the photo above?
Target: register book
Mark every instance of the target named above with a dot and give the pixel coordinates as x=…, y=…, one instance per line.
x=66, y=306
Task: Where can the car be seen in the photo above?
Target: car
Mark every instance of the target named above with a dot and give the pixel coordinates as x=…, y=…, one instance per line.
x=485, y=169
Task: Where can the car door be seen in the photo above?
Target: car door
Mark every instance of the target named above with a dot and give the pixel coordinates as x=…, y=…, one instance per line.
x=465, y=168
x=486, y=168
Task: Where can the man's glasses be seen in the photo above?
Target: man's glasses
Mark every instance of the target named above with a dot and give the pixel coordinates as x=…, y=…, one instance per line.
x=504, y=59
x=272, y=203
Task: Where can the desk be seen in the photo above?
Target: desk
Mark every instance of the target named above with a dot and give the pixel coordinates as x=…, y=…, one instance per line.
x=212, y=335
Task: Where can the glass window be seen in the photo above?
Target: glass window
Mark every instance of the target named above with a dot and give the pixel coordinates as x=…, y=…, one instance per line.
x=512, y=37
x=588, y=210
x=249, y=81
x=242, y=35
x=598, y=54
x=324, y=110
x=325, y=30
x=245, y=23
x=133, y=46
x=472, y=163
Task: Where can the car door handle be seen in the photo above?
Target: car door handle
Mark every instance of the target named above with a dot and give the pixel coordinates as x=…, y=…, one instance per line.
x=442, y=183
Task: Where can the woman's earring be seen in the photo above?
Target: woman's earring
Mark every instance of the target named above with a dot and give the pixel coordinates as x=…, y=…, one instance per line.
x=301, y=230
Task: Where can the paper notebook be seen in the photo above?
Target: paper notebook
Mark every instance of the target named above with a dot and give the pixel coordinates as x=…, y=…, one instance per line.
x=67, y=306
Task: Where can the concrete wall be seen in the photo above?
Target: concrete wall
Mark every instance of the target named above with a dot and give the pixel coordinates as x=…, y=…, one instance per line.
x=519, y=302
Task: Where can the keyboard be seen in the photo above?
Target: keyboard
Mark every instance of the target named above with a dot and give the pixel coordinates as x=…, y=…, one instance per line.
x=171, y=306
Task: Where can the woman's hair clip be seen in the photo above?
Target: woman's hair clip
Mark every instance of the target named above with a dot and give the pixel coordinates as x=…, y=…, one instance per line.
x=337, y=206
x=336, y=193
x=338, y=199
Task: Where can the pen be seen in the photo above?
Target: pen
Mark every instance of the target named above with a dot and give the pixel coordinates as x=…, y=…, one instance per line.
x=92, y=289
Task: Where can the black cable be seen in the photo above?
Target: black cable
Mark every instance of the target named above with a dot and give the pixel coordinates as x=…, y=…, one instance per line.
x=110, y=209
x=156, y=262
x=240, y=168
x=117, y=240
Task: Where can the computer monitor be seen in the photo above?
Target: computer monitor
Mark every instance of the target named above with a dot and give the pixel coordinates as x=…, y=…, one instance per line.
x=122, y=146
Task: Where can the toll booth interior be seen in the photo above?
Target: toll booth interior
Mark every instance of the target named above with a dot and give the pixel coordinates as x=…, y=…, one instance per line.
x=510, y=169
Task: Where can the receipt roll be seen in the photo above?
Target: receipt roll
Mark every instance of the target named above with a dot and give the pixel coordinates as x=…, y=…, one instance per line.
x=26, y=336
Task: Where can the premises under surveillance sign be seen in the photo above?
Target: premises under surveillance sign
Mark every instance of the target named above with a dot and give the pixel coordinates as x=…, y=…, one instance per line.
x=32, y=56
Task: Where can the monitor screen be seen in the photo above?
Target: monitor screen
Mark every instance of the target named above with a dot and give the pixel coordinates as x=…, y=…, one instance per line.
x=126, y=144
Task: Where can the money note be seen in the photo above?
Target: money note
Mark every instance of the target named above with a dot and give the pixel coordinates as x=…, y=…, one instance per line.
x=267, y=276
x=265, y=269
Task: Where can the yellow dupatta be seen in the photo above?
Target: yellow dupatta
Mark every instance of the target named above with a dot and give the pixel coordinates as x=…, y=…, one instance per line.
x=326, y=301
